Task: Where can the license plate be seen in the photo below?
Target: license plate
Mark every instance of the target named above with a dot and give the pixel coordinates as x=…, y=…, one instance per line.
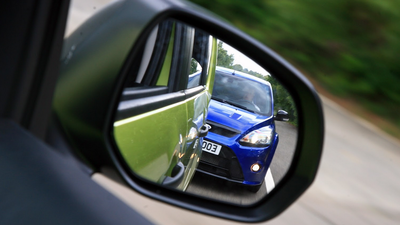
x=211, y=147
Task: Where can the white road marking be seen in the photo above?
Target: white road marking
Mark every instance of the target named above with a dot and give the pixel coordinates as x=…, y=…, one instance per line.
x=269, y=181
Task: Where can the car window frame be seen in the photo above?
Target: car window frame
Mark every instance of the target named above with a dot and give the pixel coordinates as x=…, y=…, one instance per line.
x=138, y=100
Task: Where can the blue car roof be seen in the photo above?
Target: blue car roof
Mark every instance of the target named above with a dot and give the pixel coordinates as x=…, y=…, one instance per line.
x=242, y=74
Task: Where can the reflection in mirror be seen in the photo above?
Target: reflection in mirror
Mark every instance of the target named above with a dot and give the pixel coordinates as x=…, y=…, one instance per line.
x=164, y=103
x=199, y=116
x=251, y=143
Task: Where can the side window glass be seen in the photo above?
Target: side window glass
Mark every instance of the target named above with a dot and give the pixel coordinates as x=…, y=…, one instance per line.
x=194, y=74
x=200, y=59
x=166, y=68
x=173, y=58
x=172, y=50
x=153, y=68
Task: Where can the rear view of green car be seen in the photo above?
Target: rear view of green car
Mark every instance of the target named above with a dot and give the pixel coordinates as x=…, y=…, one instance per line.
x=162, y=112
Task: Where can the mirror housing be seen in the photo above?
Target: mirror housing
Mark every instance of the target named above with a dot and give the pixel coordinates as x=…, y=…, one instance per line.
x=123, y=28
x=282, y=115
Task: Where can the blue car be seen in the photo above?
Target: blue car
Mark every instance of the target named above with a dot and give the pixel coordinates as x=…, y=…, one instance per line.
x=242, y=139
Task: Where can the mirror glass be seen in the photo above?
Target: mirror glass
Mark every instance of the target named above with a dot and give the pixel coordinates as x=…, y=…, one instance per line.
x=199, y=116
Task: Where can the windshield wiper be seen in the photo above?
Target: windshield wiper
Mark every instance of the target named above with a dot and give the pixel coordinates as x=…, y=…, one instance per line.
x=218, y=99
x=233, y=103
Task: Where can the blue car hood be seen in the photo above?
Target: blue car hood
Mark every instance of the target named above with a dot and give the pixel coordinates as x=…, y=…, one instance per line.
x=236, y=118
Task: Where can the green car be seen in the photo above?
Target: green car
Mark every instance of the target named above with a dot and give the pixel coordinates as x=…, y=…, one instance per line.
x=160, y=118
x=160, y=139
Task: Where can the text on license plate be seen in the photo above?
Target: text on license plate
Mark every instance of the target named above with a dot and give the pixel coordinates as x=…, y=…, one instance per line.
x=211, y=147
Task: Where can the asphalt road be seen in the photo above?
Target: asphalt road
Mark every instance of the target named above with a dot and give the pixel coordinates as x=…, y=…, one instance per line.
x=285, y=151
x=358, y=179
x=215, y=188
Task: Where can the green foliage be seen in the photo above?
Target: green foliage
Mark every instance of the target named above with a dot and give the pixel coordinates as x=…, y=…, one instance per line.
x=251, y=72
x=237, y=67
x=193, y=66
x=282, y=99
x=223, y=59
x=350, y=47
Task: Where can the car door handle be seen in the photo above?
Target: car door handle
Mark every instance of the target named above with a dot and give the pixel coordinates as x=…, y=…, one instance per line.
x=176, y=177
x=204, y=130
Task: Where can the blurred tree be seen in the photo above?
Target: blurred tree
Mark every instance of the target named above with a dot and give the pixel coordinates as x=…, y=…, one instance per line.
x=193, y=66
x=350, y=47
x=237, y=67
x=223, y=59
x=259, y=75
x=282, y=99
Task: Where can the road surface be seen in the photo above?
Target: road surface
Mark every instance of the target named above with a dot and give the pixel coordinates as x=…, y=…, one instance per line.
x=285, y=151
x=359, y=177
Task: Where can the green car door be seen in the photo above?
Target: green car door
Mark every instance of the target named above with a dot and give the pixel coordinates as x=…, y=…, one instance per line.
x=161, y=115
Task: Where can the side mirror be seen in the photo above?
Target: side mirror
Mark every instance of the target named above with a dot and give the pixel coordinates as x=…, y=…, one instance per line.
x=282, y=115
x=101, y=74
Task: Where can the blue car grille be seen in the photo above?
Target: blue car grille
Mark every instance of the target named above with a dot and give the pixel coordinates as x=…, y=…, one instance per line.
x=222, y=130
x=225, y=164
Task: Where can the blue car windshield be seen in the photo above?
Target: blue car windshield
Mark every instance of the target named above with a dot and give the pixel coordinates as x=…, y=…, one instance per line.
x=242, y=93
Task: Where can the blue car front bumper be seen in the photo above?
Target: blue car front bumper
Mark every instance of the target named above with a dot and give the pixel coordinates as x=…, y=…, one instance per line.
x=234, y=161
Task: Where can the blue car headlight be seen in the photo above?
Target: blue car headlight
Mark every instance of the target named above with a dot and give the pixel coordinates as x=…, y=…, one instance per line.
x=258, y=138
